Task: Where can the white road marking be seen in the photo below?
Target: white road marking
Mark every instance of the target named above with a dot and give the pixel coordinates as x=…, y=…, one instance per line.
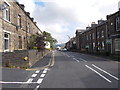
x=105, y=72
x=42, y=75
x=44, y=71
x=37, y=86
x=67, y=55
x=1, y=82
x=34, y=75
x=98, y=73
x=39, y=80
x=83, y=59
x=37, y=71
x=30, y=80
x=72, y=56
x=76, y=59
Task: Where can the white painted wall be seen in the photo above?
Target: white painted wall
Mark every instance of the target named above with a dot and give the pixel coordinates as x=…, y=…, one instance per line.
x=47, y=44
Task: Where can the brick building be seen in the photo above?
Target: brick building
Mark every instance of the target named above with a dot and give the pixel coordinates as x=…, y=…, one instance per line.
x=16, y=26
x=101, y=38
x=114, y=32
x=78, y=38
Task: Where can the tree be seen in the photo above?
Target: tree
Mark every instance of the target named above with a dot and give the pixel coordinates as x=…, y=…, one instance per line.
x=49, y=38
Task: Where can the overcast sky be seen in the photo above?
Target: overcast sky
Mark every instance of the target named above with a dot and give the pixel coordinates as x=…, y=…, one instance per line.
x=63, y=17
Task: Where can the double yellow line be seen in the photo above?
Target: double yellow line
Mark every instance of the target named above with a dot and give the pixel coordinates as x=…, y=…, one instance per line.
x=51, y=64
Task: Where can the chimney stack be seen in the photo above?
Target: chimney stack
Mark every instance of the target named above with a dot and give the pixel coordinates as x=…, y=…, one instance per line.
x=93, y=24
x=22, y=6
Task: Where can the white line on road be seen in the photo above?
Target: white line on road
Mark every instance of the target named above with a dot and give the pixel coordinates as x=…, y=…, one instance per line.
x=40, y=80
x=37, y=87
x=105, y=72
x=72, y=56
x=98, y=73
x=1, y=82
x=34, y=75
x=42, y=75
x=83, y=59
x=37, y=71
x=67, y=55
x=76, y=59
x=44, y=71
x=30, y=80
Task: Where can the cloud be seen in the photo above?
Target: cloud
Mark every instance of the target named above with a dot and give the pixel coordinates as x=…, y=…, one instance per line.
x=62, y=17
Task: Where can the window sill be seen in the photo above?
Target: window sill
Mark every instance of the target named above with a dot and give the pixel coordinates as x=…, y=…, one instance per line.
x=7, y=50
x=7, y=20
x=117, y=50
x=118, y=30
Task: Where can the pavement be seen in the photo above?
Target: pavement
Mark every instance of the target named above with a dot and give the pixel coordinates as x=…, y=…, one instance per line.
x=65, y=70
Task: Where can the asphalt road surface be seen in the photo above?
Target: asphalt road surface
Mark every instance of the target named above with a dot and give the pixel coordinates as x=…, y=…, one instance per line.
x=69, y=70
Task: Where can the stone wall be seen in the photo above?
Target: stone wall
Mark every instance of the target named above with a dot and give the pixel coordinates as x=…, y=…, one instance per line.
x=16, y=58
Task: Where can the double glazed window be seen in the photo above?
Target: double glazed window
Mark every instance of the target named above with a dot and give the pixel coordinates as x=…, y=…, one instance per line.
x=28, y=28
x=118, y=24
x=6, y=41
x=102, y=33
x=19, y=21
x=98, y=34
x=6, y=11
x=20, y=42
x=117, y=44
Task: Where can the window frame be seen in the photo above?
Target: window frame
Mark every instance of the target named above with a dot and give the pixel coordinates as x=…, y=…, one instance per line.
x=19, y=21
x=6, y=12
x=117, y=23
x=20, y=42
x=118, y=44
x=6, y=38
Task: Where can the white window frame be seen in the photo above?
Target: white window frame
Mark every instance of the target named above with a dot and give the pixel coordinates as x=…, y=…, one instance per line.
x=102, y=32
x=28, y=28
x=6, y=12
x=93, y=45
x=117, y=21
x=6, y=50
x=98, y=34
x=117, y=45
x=93, y=35
x=19, y=20
x=103, y=45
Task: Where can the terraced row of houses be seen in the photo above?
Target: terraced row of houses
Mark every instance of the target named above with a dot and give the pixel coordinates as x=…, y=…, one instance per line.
x=101, y=38
x=16, y=26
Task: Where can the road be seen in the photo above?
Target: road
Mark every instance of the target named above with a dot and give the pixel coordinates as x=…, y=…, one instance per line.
x=69, y=70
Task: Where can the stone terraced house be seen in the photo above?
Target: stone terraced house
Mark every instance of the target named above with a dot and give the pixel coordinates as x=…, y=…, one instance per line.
x=16, y=26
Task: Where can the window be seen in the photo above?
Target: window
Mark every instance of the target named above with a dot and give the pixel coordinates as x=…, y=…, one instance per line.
x=90, y=36
x=20, y=42
x=103, y=45
x=118, y=24
x=98, y=45
x=6, y=11
x=93, y=45
x=87, y=37
x=102, y=34
x=19, y=21
x=28, y=28
x=117, y=44
x=6, y=41
x=93, y=36
x=98, y=34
